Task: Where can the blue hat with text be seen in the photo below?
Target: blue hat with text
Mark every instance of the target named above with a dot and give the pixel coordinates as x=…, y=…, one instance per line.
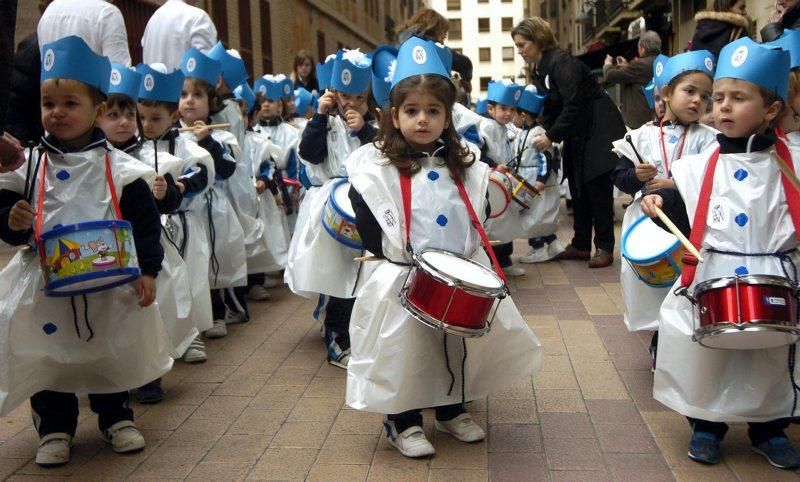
x=382, y=61
x=482, y=106
x=417, y=57
x=445, y=55
x=530, y=100
x=302, y=100
x=324, y=71
x=504, y=92
x=658, y=71
x=287, y=89
x=197, y=65
x=789, y=41
x=694, y=61
x=245, y=93
x=271, y=86
x=71, y=58
x=746, y=60
x=158, y=85
x=125, y=81
x=351, y=72
x=233, y=70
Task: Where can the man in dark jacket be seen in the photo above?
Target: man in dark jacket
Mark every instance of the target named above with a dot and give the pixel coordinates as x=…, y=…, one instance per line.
x=23, y=119
x=788, y=19
x=632, y=76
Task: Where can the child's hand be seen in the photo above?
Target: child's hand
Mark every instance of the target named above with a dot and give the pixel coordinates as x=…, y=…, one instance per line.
x=160, y=188
x=542, y=142
x=656, y=184
x=201, y=130
x=326, y=103
x=145, y=288
x=261, y=186
x=21, y=216
x=278, y=199
x=354, y=119
x=502, y=168
x=650, y=203
x=645, y=172
x=181, y=186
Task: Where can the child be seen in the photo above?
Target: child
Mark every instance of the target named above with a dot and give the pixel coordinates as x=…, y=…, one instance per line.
x=303, y=74
x=540, y=222
x=102, y=343
x=398, y=364
x=233, y=75
x=685, y=81
x=158, y=95
x=789, y=122
x=741, y=209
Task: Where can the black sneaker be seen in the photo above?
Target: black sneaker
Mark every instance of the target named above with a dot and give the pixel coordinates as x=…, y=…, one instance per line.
x=150, y=392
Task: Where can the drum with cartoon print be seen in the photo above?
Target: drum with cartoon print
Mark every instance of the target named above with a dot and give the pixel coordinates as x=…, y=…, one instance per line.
x=522, y=192
x=499, y=192
x=655, y=255
x=338, y=217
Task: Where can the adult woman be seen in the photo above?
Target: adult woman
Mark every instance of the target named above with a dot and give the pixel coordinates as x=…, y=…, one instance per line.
x=304, y=72
x=581, y=115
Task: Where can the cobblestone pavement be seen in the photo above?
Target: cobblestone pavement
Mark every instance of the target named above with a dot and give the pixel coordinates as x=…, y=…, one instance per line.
x=266, y=405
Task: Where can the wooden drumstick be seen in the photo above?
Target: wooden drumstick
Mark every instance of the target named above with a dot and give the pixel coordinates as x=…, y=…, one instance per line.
x=678, y=234
x=786, y=171
x=363, y=259
x=224, y=125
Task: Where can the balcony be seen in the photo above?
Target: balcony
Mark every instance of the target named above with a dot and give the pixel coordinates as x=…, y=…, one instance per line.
x=610, y=17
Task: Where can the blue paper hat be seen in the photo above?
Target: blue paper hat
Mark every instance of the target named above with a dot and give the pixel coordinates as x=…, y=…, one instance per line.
x=324, y=71
x=302, y=100
x=501, y=93
x=650, y=94
x=245, y=93
x=789, y=41
x=348, y=77
x=314, y=101
x=382, y=60
x=287, y=89
x=71, y=58
x=125, y=81
x=156, y=85
x=531, y=101
x=658, y=71
x=233, y=69
x=197, y=65
x=698, y=60
x=482, y=106
x=271, y=87
x=763, y=66
x=445, y=55
x=417, y=57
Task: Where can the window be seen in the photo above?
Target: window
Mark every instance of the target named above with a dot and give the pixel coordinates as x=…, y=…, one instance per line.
x=219, y=14
x=483, y=1
x=454, y=33
x=484, y=83
x=321, y=52
x=483, y=25
x=266, y=38
x=245, y=35
x=505, y=1
x=507, y=24
x=454, y=4
x=508, y=53
x=485, y=54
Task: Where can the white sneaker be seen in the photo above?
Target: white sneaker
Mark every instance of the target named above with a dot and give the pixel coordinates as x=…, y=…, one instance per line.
x=514, y=271
x=411, y=443
x=53, y=449
x=555, y=248
x=124, y=437
x=232, y=317
x=196, y=353
x=219, y=330
x=269, y=282
x=258, y=293
x=462, y=427
x=535, y=255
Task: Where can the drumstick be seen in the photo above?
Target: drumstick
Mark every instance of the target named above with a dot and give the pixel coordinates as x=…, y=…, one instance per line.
x=224, y=125
x=363, y=259
x=786, y=171
x=628, y=139
x=678, y=234
x=495, y=242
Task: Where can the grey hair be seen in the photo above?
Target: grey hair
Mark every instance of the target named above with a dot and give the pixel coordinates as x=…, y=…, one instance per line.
x=650, y=41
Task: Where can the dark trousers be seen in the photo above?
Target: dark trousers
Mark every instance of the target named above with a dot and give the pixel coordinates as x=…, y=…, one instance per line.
x=503, y=253
x=594, y=208
x=232, y=298
x=337, y=318
x=758, y=432
x=413, y=418
x=55, y=412
x=540, y=241
x=256, y=279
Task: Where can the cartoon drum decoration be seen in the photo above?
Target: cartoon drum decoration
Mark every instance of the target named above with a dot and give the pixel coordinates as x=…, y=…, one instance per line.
x=338, y=216
x=655, y=255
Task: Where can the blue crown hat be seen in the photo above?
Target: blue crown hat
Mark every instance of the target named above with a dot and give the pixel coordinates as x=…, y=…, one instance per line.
x=302, y=100
x=416, y=57
x=658, y=71
x=351, y=72
x=233, y=69
x=482, y=106
x=314, y=101
x=245, y=93
x=70, y=58
x=158, y=85
x=124, y=80
x=271, y=87
x=445, y=55
x=789, y=41
x=504, y=93
x=324, y=71
x=650, y=94
x=698, y=60
x=382, y=60
x=763, y=66
x=197, y=65
x=287, y=89
x=530, y=100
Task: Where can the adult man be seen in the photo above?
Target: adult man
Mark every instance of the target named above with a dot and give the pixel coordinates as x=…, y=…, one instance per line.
x=632, y=76
x=173, y=29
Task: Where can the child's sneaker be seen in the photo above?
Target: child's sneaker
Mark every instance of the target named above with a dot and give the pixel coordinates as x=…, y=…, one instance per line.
x=258, y=293
x=535, y=255
x=336, y=356
x=704, y=448
x=219, y=329
x=124, y=437
x=514, y=271
x=555, y=248
x=196, y=353
x=462, y=427
x=232, y=317
x=411, y=443
x=779, y=452
x=150, y=392
x=269, y=282
x=53, y=449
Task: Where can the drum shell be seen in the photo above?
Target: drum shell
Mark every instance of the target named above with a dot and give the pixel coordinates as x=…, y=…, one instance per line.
x=522, y=192
x=758, y=302
x=340, y=225
x=503, y=182
x=660, y=270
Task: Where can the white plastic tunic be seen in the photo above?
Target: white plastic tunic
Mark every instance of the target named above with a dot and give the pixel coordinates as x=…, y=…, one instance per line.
x=541, y=219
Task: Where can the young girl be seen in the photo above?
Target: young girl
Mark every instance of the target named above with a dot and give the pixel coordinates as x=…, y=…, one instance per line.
x=303, y=73
x=686, y=89
x=789, y=122
x=397, y=364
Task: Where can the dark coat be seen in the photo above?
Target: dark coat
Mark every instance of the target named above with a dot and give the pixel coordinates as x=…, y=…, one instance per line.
x=790, y=20
x=715, y=30
x=461, y=63
x=579, y=113
x=24, y=117
x=632, y=77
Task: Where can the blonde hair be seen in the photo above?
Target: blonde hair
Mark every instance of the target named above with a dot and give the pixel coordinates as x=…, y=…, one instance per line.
x=537, y=30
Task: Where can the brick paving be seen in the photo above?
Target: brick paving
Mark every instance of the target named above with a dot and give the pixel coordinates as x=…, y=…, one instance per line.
x=267, y=406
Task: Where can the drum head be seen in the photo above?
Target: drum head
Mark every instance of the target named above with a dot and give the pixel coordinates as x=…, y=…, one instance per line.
x=498, y=198
x=752, y=337
x=340, y=196
x=462, y=269
x=644, y=241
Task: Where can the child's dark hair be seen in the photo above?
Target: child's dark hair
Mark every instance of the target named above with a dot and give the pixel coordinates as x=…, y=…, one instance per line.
x=394, y=146
x=723, y=5
x=95, y=94
x=769, y=97
x=170, y=106
x=251, y=114
x=214, y=100
x=121, y=102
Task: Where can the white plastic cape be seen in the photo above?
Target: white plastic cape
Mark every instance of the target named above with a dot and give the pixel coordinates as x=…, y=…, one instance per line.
x=541, y=219
x=495, y=137
x=231, y=114
x=464, y=118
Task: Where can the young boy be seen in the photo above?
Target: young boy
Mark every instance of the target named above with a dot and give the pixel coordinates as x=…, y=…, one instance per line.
x=102, y=343
x=234, y=74
x=732, y=195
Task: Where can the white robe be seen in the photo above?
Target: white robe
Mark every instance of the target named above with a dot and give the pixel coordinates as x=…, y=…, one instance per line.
x=541, y=219
x=172, y=30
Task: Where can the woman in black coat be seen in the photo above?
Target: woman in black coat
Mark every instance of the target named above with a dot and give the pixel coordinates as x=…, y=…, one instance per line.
x=579, y=113
x=717, y=28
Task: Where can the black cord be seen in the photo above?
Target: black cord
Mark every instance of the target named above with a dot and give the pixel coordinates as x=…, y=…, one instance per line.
x=447, y=362
x=213, y=235
x=86, y=317
x=75, y=315
x=463, y=370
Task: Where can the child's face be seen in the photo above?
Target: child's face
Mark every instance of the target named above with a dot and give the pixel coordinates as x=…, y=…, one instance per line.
x=193, y=105
x=790, y=120
x=271, y=108
x=304, y=69
x=289, y=107
x=421, y=120
x=739, y=109
x=688, y=98
x=350, y=102
x=68, y=112
x=155, y=120
x=660, y=107
x=118, y=124
x=502, y=113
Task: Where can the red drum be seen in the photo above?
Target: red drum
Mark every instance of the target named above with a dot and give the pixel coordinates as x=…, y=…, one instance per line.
x=746, y=312
x=449, y=292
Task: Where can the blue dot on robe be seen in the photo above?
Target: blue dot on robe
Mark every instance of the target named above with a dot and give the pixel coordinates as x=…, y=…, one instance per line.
x=740, y=174
x=441, y=220
x=62, y=175
x=741, y=271
x=433, y=175
x=50, y=328
x=673, y=139
x=741, y=219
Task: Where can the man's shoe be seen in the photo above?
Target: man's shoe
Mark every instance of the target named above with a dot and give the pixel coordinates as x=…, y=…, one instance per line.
x=411, y=443
x=53, y=450
x=258, y=293
x=124, y=437
x=462, y=427
x=601, y=259
x=514, y=271
x=196, y=353
x=779, y=452
x=704, y=448
x=571, y=252
x=150, y=392
x=219, y=329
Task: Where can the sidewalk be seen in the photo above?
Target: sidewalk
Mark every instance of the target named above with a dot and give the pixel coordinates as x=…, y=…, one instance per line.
x=267, y=406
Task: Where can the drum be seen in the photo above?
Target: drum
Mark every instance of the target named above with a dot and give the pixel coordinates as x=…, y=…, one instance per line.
x=338, y=216
x=499, y=192
x=654, y=254
x=522, y=192
x=746, y=312
x=452, y=293
x=87, y=257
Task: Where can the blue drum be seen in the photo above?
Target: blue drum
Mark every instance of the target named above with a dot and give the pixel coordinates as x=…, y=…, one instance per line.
x=338, y=217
